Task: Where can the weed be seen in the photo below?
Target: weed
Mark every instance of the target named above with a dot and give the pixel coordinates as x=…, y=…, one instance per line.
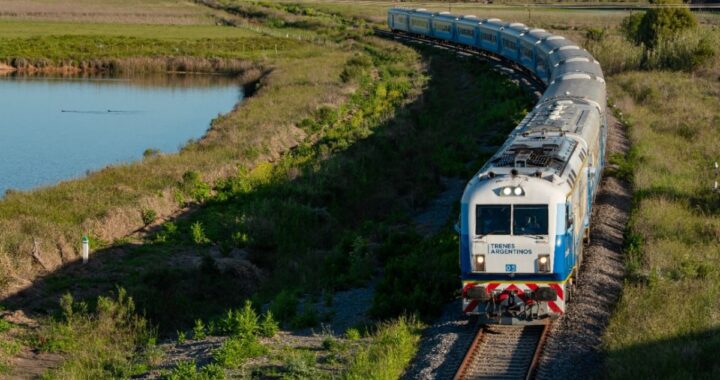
x=242, y=323
x=108, y=342
x=199, y=331
x=268, y=326
x=197, y=232
x=236, y=350
x=352, y=334
x=5, y=325
x=148, y=216
x=300, y=365
x=188, y=370
x=388, y=352
x=181, y=337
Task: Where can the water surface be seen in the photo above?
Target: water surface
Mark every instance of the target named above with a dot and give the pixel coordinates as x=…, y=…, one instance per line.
x=52, y=129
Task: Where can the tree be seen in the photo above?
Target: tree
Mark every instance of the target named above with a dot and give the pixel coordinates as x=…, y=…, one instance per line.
x=658, y=24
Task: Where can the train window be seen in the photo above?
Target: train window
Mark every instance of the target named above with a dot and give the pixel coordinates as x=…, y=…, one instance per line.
x=526, y=52
x=467, y=32
x=530, y=220
x=419, y=23
x=492, y=220
x=400, y=19
x=442, y=27
x=540, y=62
x=509, y=44
x=489, y=37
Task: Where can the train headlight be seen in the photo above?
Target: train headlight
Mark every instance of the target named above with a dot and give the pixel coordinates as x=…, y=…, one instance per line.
x=544, y=263
x=511, y=191
x=479, y=263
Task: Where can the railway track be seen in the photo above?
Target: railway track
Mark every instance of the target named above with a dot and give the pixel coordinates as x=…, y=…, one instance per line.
x=504, y=352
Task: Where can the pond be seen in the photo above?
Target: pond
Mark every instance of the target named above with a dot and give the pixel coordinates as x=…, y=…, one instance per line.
x=57, y=128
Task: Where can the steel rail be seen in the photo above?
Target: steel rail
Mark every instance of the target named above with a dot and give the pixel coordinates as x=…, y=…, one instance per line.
x=504, y=352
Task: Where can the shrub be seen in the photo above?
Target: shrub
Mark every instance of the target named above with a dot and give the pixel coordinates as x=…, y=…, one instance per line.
x=198, y=233
x=236, y=350
x=630, y=27
x=352, y=333
x=187, y=370
x=151, y=152
x=242, y=322
x=108, y=342
x=390, y=350
x=596, y=35
x=148, y=216
x=300, y=365
x=664, y=23
x=268, y=326
x=199, y=330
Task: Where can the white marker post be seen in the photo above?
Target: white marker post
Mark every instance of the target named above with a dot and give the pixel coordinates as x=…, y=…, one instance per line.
x=85, y=249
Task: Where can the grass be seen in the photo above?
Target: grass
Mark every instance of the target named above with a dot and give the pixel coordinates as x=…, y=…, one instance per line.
x=110, y=341
x=674, y=234
x=57, y=216
x=390, y=350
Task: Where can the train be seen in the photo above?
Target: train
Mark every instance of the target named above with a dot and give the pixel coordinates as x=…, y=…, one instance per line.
x=525, y=215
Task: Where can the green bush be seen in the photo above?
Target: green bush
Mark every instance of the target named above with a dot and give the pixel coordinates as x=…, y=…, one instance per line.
x=107, y=342
x=236, y=350
x=664, y=23
x=199, y=330
x=246, y=323
x=268, y=326
x=187, y=370
x=148, y=216
x=198, y=233
x=390, y=350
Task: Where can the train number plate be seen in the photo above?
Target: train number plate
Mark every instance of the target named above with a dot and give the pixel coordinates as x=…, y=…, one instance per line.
x=510, y=268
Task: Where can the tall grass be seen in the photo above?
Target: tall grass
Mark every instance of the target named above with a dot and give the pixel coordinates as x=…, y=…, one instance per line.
x=666, y=324
x=390, y=350
x=109, y=342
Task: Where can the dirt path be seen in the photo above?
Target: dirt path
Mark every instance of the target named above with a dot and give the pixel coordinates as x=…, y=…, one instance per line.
x=573, y=348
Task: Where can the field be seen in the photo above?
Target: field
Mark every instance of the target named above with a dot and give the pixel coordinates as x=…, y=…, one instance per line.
x=289, y=207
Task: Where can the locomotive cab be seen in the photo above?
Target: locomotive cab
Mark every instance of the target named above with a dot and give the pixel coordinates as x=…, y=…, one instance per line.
x=515, y=255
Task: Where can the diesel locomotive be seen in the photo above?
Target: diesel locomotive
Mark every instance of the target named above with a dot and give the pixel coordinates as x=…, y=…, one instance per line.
x=526, y=213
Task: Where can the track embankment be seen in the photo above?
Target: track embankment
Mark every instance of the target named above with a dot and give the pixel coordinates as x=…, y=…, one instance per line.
x=573, y=349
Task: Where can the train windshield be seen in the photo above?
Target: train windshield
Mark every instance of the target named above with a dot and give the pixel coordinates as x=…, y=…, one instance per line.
x=530, y=220
x=492, y=220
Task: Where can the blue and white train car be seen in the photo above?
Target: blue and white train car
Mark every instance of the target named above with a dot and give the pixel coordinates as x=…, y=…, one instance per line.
x=466, y=30
x=443, y=26
x=510, y=41
x=490, y=35
x=526, y=212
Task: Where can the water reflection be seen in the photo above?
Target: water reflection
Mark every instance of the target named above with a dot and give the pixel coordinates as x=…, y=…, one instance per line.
x=55, y=128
